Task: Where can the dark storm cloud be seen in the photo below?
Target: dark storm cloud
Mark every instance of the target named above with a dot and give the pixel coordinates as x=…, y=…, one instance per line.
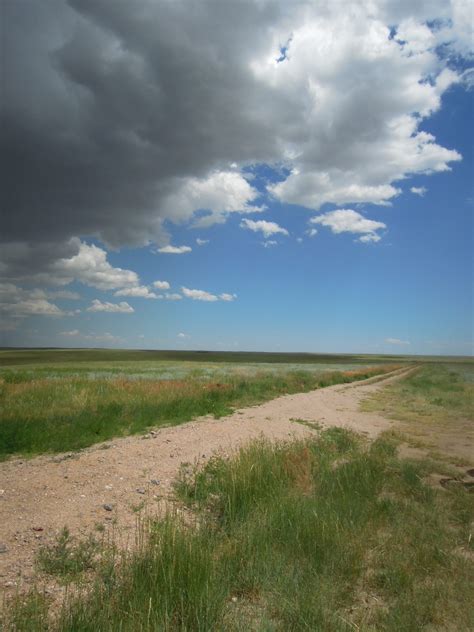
x=107, y=103
x=119, y=115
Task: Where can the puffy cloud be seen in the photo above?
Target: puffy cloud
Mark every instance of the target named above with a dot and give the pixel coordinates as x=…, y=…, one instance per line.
x=419, y=191
x=220, y=193
x=140, y=291
x=267, y=228
x=199, y=295
x=202, y=295
x=350, y=221
x=396, y=341
x=183, y=336
x=161, y=285
x=16, y=302
x=174, y=250
x=85, y=263
x=116, y=308
x=118, y=121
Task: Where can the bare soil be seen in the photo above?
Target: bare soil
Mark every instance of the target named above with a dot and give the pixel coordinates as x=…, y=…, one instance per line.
x=134, y=475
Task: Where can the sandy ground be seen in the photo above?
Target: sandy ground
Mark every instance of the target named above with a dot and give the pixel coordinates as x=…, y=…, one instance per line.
x=38, y=497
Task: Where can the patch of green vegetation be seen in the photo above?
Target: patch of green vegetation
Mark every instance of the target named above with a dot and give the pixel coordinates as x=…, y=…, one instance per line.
x=431, y=393
x=51, y=415
x=327, y=534
x=67, y=557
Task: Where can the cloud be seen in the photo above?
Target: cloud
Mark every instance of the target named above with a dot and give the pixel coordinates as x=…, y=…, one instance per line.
x=419, y=191
x=161, y=285
x=140, y=291
x=88, y=265
x=311, y=232
x=73, y=333
x=350, y=221
x=183, y=335
x=105, y=337
x=202, y=295
x=16, y=302
x=116, y=308
x=267, y=228
x=174, y=250
x=220, y=193
x=174, y=296
x=202, y=242
x=119, y=123
x=396, y=341
x=269, y=243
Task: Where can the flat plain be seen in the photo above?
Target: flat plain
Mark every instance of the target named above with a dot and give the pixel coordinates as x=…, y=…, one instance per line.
x=305, y=492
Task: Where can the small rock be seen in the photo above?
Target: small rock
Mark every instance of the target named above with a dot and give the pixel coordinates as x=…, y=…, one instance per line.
x=140, y=490
x=108, y=507
x=2, y=491
x=3, y=548
x=109, y=487
x=9, y=584
x=155, y=481
x=234, y=599
x=38, y=529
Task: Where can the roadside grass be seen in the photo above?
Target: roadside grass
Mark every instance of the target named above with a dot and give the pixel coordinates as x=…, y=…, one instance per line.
x=67, y=556
x=435, y=405
x=56, y=415
x=327, y=534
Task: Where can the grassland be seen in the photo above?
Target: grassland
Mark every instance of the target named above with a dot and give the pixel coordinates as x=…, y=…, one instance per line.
x=435, y=408
x=73, y=400
x=328, y=534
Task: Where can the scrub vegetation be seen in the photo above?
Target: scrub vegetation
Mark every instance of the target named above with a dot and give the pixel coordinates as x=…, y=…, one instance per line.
x=327, y=534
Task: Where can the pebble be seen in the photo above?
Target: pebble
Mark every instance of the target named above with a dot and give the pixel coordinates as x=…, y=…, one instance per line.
x=109, y=487
x=155, y=481
x=2, y=491
x=108, y=507
x=3, y=548
x=140, y=490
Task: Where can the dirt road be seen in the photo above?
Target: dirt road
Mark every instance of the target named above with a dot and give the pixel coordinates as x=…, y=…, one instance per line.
x=106, y=486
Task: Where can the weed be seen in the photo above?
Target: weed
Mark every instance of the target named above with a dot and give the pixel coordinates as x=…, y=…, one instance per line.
x=66, y=556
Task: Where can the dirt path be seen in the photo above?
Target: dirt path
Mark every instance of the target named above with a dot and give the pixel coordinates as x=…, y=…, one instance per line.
x=38, y=497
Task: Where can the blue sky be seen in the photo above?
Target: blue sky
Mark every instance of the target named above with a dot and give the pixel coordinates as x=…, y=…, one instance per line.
x=339, y=218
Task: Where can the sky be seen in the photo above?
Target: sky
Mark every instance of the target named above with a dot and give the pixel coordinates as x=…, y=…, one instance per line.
x=238, y=175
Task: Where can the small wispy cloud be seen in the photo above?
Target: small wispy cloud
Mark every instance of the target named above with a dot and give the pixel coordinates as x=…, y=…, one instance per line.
x=140, y=291
x=397, y=341
x=113, y=308
x=202, y=295
x=174, y=250
x=270, y=243
x=202, y=242
x=419, y=191
x=267, y=228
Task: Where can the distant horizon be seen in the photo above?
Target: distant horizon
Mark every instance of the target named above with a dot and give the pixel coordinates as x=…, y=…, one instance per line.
x=233, y=351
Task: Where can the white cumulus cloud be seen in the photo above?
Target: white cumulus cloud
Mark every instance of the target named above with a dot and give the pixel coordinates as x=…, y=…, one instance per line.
x=115, y=308
x=350, y=221
x=267, y=228
x=174, y=250
x=419, y=191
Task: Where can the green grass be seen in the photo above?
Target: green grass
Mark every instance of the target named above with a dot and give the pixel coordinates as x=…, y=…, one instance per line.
x=56, y=415
x=328, y=534
x=67, y=557
x=435, y=406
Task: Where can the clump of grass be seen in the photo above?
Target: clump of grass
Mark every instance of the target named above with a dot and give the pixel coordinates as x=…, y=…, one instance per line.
x=68, y=557
x=56, y=415
x=327, y=533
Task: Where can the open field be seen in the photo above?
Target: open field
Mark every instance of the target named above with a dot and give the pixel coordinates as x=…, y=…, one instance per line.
x=330, y=531
x=85, y=398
